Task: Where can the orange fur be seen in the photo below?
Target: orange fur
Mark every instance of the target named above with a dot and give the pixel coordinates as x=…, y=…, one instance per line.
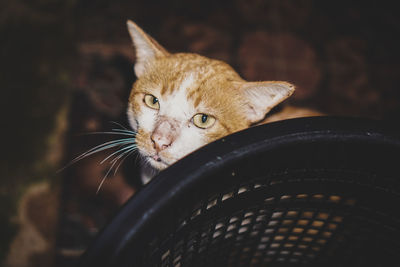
x=199, y=85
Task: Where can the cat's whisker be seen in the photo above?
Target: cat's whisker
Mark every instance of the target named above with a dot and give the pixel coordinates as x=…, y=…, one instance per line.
x=123, y=153
x=124, y=131
x=126, y=146
x=104, y=146
x=104, y=178
x=101, y=184
x=123, y=158
x=114, y=133
x=99, y=148
x=118, y=124
x=117, y=152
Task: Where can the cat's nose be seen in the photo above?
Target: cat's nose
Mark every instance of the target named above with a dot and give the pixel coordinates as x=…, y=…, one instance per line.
x=160, y=142
x=163, y=136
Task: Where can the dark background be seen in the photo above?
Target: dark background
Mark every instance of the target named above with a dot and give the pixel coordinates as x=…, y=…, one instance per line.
x=67, y=68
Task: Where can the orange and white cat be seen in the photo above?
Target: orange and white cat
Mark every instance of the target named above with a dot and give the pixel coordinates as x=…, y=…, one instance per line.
x=181, y=102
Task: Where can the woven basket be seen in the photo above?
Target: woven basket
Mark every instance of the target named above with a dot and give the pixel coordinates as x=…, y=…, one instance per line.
x=305, y=192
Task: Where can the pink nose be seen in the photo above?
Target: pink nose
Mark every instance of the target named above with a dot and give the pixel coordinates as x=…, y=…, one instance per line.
x=160, y=142
x=163, y=135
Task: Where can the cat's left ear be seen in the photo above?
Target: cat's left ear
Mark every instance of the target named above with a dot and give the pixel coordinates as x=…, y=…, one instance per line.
x=261, y=97
x=147, y=49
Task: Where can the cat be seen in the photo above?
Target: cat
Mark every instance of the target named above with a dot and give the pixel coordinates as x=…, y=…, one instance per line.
x=181, y=102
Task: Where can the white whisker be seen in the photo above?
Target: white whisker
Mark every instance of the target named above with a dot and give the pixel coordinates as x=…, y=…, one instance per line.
x=118, y=124
x=118, y=151
x=104, y=178
x=122, y=154
x=113, y=133
x=102, y=147
x=126, y=146
x=124, y=131
x=127, y=154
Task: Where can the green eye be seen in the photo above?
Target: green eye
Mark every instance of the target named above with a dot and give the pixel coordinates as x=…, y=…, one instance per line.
x=151, y=101
x=203, y=121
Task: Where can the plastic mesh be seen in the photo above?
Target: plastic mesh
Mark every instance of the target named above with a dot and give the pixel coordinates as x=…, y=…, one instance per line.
x=305, y=192
x=256, y=224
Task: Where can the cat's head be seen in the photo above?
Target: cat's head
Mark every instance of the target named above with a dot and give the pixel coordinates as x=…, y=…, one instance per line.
x=181, y=102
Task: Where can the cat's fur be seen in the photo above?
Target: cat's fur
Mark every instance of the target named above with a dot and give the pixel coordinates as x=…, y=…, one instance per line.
x=185, y=85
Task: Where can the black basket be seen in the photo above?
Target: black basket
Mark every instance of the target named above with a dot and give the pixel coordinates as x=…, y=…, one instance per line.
x=302, y=192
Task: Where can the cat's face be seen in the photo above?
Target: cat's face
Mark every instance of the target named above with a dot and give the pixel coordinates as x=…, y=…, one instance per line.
x=182, y=102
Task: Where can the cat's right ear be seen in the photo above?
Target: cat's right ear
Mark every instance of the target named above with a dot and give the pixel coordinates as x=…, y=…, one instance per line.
x=147, y=49
x=261, y=97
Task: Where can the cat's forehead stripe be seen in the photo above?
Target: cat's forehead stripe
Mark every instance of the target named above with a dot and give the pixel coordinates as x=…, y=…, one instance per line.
x=187, y=82
x=170, y=84
x=198, y=100
x=164, y=89
x=176, y=83
x=191, y=93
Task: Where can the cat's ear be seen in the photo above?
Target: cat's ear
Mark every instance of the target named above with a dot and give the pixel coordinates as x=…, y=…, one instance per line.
x=147, y=49
x=261, y=97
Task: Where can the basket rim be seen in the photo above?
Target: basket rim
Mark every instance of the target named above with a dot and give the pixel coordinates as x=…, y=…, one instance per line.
x=168, y=185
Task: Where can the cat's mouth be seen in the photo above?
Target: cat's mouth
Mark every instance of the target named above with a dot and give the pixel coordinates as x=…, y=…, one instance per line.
x=157, y=162
x=156, y=158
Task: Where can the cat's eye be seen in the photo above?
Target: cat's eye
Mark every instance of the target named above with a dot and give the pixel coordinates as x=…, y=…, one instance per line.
x=203, y=121
x=151, y=101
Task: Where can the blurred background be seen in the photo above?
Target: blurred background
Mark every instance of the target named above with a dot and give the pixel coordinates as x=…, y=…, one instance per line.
x=67, y=69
